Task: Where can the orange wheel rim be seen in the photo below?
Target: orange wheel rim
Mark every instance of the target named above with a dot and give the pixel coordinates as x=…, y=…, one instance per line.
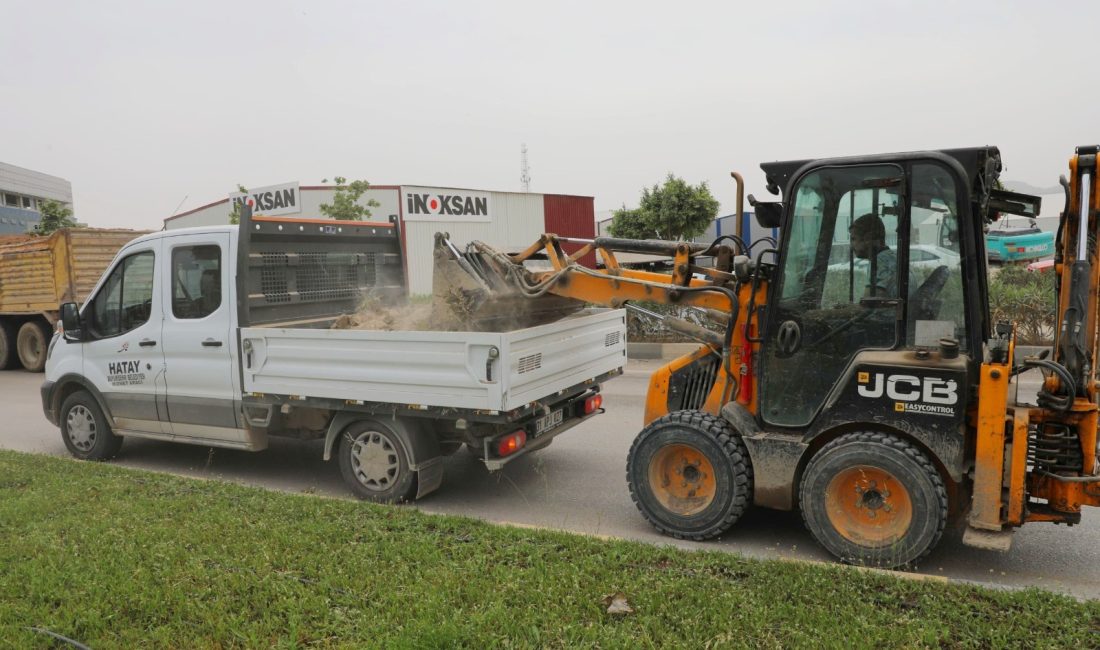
x=682, y=479
x=868, y=506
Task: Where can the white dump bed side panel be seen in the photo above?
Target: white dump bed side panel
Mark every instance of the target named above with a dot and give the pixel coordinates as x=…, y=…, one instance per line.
x=546, y=359
x=428, y=368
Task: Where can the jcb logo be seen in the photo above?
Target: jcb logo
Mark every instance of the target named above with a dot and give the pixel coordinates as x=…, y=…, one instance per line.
x=909, y=388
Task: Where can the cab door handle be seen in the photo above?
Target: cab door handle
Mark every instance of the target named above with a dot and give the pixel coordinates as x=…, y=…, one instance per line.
x=211, y=343
x=147, y=343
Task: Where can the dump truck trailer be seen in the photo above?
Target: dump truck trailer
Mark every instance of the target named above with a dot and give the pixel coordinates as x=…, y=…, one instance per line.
x=39, y=273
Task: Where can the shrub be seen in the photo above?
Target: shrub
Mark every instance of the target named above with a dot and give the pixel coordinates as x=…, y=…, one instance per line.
x=1027, y=299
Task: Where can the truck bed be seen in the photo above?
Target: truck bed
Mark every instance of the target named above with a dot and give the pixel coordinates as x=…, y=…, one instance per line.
x=434, y=369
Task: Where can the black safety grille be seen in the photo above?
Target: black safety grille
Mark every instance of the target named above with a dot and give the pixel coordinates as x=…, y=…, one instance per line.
x=316, y=277
x=689, y=386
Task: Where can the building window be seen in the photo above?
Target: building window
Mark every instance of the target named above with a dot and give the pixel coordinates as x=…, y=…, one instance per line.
x=28, y=203
x=12, y=200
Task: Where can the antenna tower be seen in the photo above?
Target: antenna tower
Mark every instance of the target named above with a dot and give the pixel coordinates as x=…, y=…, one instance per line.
x=524, y=170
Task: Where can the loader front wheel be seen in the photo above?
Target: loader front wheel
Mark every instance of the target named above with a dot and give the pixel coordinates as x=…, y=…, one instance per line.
x=874, y=499
x=690, y=475
x=374, y=464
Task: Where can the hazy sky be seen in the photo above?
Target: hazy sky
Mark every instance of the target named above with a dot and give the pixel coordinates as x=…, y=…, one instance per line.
x=140, y=104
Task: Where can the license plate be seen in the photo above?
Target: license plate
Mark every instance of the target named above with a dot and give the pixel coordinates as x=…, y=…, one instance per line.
x=548, y=422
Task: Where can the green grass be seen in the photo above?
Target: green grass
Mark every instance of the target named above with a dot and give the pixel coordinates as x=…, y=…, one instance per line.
x=117, y=558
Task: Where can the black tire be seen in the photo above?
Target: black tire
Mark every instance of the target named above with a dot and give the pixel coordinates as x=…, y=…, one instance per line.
x=873, y=499
x=708, y=499
x=85, y=430
x=32, y=344
x=8, y=357
x=374, y=464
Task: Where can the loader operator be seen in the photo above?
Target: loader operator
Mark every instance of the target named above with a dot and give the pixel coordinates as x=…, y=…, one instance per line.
x=868, y=237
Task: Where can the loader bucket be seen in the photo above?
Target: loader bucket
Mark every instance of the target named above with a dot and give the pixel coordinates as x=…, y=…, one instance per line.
x=472, y=292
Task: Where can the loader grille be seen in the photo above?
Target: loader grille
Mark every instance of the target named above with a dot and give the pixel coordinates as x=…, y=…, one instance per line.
x=611, y=339
x=689, y=386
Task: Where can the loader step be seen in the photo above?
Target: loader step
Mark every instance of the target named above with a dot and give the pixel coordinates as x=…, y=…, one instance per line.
x=989, y=540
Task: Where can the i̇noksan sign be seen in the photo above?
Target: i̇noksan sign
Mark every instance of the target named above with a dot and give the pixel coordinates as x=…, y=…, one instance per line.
x=272, y=200
x=439, y=204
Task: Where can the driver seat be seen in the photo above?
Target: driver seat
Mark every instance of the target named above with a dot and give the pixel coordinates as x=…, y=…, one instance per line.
x=925, y=302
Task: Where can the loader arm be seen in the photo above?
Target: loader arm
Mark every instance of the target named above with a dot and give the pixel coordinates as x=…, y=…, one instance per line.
x=483, y=284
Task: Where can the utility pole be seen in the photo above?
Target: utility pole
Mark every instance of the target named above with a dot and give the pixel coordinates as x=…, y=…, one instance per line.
x=524, y=170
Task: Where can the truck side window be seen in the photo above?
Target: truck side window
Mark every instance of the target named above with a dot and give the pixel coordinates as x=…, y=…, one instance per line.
x=126, y=298
x=196, y=281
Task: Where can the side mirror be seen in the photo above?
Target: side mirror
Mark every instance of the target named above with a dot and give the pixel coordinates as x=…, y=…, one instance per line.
x=768, y=214
x=70, y=322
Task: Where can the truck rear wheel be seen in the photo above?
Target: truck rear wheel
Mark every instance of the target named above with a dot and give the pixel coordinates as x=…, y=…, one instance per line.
x=85, y=429
x=374, y=463
x=872, y=498
x=32, y=343
x=689, y=474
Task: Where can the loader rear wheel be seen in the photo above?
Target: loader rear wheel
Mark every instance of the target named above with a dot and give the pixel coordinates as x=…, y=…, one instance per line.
x=32, y=343
x=374, y=463
x=8, y=356
x=690, y=475
x=874, y=499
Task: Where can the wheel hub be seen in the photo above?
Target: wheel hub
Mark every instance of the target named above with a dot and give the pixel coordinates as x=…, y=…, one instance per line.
x=682, y=479
x=868, y=506
x=80, y=425
x=374, y=460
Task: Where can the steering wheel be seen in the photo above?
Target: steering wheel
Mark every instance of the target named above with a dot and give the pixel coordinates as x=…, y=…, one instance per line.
x=925, y=302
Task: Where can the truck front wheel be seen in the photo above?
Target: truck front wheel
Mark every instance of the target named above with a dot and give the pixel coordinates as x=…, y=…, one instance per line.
x=33, y=342
x=689, y=474
x=8, y=356
x=85, y=430
x=374, y=463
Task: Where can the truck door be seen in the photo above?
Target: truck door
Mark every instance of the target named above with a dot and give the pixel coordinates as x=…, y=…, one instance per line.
x=201, y=398
x=842, y=275
x=122, y=357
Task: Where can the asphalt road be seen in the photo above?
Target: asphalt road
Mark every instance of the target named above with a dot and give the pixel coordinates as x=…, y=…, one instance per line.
x=577, y=484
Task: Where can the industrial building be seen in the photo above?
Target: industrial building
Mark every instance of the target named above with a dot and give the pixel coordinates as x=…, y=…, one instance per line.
x=21, y=194
x=507, y=220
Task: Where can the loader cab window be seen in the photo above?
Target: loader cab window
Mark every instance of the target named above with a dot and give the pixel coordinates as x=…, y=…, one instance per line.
x=125, y=300
x=841, y=278
x=196, y=281
x=936, y=306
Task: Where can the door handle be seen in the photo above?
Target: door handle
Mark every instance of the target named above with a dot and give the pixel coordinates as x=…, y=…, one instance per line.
x=147, y=343
x=211, y=343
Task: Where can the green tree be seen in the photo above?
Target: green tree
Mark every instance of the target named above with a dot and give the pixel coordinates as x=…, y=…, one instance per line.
x=55, y=215
x=235, y=206
x=673, y=211
x=345, y=204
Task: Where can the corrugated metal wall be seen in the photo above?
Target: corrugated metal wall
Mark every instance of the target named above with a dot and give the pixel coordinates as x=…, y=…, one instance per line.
x=571, y=216
x=517, y=222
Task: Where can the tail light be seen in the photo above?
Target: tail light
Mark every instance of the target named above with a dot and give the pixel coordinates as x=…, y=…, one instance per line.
x=511, y=443
x=593, y=404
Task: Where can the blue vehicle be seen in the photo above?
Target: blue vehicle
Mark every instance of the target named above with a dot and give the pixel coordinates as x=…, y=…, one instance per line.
x=1008, y=243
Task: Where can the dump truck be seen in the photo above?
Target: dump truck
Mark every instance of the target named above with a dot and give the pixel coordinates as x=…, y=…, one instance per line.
x=840, y=376
x=222, y=337
x=37, y=274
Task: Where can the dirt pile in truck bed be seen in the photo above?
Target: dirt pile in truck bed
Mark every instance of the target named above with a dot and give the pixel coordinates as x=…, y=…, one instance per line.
x=374, y=316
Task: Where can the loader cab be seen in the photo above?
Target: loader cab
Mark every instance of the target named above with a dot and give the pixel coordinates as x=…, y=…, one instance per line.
x=881, y=263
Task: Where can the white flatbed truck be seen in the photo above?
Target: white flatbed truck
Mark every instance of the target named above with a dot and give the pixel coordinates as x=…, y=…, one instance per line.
x=220, y=336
